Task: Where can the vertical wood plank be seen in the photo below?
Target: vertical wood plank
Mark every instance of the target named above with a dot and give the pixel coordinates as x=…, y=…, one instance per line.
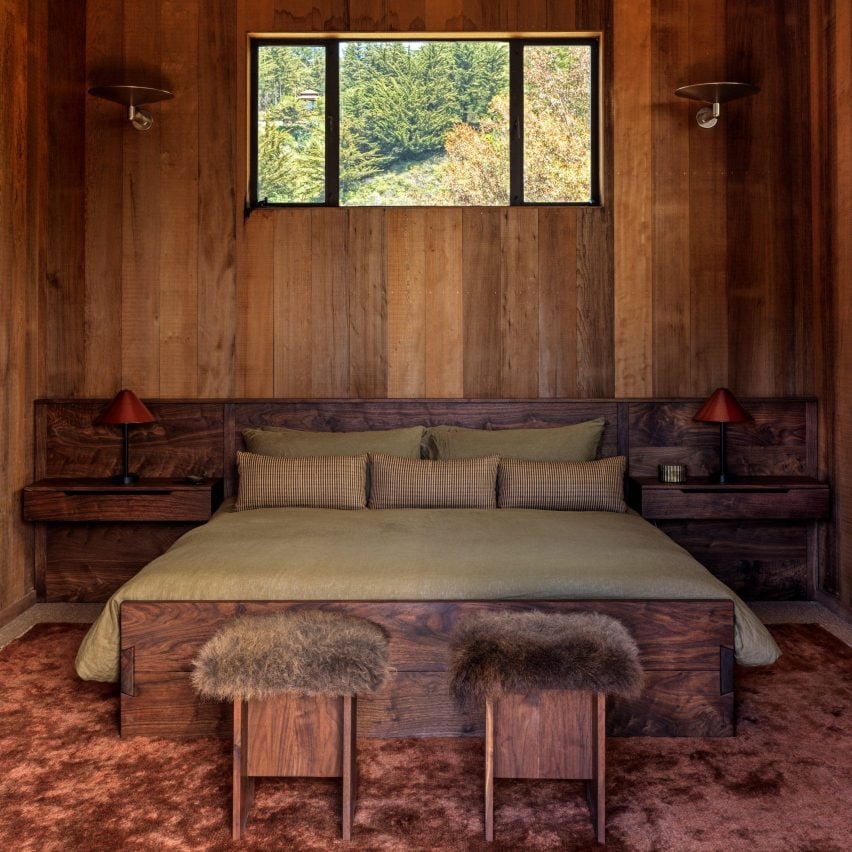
x=708, y=245
x=141, y=275
x=217, y=200
x=308, y=15
x=368, y=363
x=561, y=15
x=595, y=277
x=484, y=15
x=444, y=304
x=255, y=305
x=407, y=305
x=670, y=252
x=292, y=303
x=103, y=221
x=519, y=294
x=178, y=202
x=753, y=273
x=481, y=264
x=557, y=307
x=17, y=302
x=62, y=302
x=367, y=15
x=525, y=17
x=841, y=58
x=437, y=15
x=633, y=199
x=329, y=304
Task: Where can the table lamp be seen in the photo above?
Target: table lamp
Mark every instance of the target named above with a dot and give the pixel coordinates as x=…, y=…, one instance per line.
x=722, y=407
x=125, y=410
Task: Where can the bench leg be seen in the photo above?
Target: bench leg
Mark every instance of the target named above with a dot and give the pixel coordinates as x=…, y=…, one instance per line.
x=489, y=770
x=596, y=787
x=350, y=766
x=243, y=786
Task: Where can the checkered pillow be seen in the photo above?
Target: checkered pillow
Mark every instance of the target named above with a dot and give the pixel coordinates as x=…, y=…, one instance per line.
x=402, y=483
x=592, y=486
x=319, y=482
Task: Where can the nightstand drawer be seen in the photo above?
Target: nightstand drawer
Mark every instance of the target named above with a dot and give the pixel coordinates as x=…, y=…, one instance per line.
x=696, y=504
x=155, y=505
x=56, y=502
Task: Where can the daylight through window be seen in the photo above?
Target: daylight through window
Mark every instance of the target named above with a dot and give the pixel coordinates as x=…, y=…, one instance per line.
x=424, y=123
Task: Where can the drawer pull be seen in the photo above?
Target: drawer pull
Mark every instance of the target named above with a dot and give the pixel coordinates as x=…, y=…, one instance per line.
x=735, y=491
x=118, y=493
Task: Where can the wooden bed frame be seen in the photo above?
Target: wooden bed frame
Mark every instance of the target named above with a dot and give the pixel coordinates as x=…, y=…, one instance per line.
x=686, y=646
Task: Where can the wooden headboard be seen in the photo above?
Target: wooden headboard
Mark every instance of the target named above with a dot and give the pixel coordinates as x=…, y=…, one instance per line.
x=202, y=436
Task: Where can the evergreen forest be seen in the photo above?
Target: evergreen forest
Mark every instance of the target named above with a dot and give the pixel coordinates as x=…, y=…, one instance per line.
x=423, y=123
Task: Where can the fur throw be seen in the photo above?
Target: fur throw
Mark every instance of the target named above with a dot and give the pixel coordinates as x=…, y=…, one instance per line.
x=520, y=652
x=309, y=652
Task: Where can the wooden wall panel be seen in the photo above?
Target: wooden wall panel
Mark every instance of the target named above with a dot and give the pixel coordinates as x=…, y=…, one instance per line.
x=219, y=202
x=179, y=170
x=103, y=201
x=708, y=321
x=839, y=149
x=670, y=163
x=17, y=308
x=61, y=296
x=587, y=302
x=633, y=185
x=143, y=212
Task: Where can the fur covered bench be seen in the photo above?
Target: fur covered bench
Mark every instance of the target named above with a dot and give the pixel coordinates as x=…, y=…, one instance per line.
x=293, y=680
x=544, y=679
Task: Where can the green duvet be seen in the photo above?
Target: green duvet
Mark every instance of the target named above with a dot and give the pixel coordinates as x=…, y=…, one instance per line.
x=419, y=554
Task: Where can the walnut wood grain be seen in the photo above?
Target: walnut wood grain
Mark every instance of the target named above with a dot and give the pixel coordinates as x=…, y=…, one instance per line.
x=679, y=645
x=670, y=634
x=295, y=735
x=242, y=786
x=750, y=498
x=775, y=443
x=759, y=561
x=100, y=506
x=88, y=562
x=186, y=439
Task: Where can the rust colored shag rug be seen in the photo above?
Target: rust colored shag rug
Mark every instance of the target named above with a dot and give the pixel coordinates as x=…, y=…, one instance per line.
x=68, y=782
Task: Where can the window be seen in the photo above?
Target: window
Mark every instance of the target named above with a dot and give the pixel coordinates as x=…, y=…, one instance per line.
x=368, y=122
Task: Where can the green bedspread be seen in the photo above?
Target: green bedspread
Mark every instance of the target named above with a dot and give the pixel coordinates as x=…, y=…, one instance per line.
x=419, y=554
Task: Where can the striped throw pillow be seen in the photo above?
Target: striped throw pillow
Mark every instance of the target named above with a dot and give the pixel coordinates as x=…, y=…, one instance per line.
x=318, y=482
x=592, y=486
x=402, y=483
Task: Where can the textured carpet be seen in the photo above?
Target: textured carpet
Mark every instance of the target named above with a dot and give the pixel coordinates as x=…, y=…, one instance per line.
x=67, y=781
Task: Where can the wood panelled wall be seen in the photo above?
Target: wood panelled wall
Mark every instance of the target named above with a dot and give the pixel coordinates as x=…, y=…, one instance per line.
x=831, y=133
x=705, y=265
x=23, y=35
x=693, y=251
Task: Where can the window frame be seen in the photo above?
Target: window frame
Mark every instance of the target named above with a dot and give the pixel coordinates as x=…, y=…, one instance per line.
x=516, y=113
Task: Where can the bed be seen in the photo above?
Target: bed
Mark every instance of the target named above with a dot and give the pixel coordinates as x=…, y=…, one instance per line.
x=416, y=572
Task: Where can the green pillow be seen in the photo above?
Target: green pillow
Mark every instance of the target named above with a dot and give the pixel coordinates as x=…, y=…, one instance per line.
x=280, y=441
x=578, y=442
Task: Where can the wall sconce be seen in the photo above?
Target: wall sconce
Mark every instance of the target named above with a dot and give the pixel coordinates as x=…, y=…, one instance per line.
x=715, y=94
x=133, y=97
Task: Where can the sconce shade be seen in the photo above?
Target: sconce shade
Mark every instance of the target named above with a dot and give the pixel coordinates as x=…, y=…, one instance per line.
x=131, y=95
x=722, y=407
x=125, y=408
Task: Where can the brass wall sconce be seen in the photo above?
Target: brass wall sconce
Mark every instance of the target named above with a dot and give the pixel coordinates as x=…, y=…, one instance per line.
x=714, y=94
x=133, y=97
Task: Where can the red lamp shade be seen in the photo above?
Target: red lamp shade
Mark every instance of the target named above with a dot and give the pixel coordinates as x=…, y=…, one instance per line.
x=722, y=407
x=125, y=408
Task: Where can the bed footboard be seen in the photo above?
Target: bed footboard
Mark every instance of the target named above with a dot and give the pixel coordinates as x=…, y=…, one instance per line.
x=686, y=648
